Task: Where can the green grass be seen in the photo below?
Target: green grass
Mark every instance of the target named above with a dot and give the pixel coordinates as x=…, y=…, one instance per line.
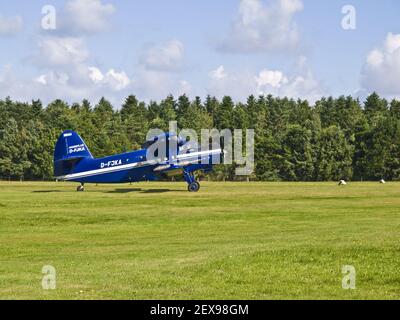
x=229, y=241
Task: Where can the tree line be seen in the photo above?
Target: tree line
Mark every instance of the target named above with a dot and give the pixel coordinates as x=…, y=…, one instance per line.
x=335, y=138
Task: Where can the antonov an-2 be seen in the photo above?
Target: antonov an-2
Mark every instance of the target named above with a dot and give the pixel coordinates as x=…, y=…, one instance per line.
x=74, y=162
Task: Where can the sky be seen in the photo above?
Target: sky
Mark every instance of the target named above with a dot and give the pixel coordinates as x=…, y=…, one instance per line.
x=76, y=49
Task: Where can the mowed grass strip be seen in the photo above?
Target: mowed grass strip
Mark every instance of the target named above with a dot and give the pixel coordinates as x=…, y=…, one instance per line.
x=229, y=241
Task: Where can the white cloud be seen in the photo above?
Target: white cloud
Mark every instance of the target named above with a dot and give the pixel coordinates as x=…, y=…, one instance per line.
x=95, y=75
x=41, y=79
x=117, y=81
x=64, y=72
x=53, y=77
x=165, y=57
x=218, y=73
x=85, y=17
x=392, y=43
x=375, y=58
x=10, y=25
x=63, y=59
x=157, y=74
x=184, y=88
x=157, y=85
x=381, y=71
x=80, y=82
x=271, y=78
x=66, y=85
x=70, y=55
x=239, y=85
x=301, y=84
x=260, y=27
x=61, y=51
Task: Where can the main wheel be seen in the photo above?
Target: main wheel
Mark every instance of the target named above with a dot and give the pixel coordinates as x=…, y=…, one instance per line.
x=194, y=187
x=80, y=189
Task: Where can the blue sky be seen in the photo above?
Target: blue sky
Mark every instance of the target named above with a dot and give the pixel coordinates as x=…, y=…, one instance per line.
x=152, y=48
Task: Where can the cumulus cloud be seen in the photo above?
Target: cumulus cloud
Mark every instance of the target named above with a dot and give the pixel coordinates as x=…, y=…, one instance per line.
x=158, y=71
x=164, y=57
x=156, y=85
x=69, y=55
x=41, y=79
x=95, y=74
x=275, y=79
x=80, y=82
x=53, y=77
x=261, y=27
x=114, y=79
x=238, y=84
x=218, y=73
x=63, y=58
x=84, y=17
x=23, y=89
x=10, y=25
x=64, y=71
x=58, y=84
x=301, y=84
x=381, y=71
x=61, y=51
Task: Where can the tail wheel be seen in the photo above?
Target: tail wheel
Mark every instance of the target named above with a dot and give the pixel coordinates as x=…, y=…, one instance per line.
x=194, y=186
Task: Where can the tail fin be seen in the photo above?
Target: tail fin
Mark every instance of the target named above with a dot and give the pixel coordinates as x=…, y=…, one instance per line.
x=70, y=149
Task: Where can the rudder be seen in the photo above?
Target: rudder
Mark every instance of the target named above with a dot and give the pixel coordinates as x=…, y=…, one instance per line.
x=69, y=150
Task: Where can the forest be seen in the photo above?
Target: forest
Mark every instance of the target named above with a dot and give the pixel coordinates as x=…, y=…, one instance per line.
x=332, y=139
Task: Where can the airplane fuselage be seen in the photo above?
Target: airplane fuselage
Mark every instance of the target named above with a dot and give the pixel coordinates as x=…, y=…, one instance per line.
x=74, y=162
x=125, y=167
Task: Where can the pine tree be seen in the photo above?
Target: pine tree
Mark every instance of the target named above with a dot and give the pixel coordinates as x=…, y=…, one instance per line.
x=212, y=106
x=167, y=112
x=14, y=150
x=134, y=119
x=224, y=114
x=375, y=108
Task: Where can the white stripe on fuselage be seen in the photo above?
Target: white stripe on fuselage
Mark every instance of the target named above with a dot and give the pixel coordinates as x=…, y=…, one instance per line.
x=89, y=173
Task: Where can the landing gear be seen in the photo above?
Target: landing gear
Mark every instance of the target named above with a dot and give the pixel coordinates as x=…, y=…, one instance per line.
x=193, y=185
x=80, y=188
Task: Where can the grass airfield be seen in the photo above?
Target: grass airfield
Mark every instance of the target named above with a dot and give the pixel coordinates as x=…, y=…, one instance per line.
x=229, y=241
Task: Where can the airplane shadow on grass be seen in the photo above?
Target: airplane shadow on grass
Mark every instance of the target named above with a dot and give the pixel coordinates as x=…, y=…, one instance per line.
x=120, y=191
x=142, y=191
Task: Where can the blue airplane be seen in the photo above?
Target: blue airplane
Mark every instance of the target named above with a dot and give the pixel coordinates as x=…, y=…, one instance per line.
x=74, y=162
